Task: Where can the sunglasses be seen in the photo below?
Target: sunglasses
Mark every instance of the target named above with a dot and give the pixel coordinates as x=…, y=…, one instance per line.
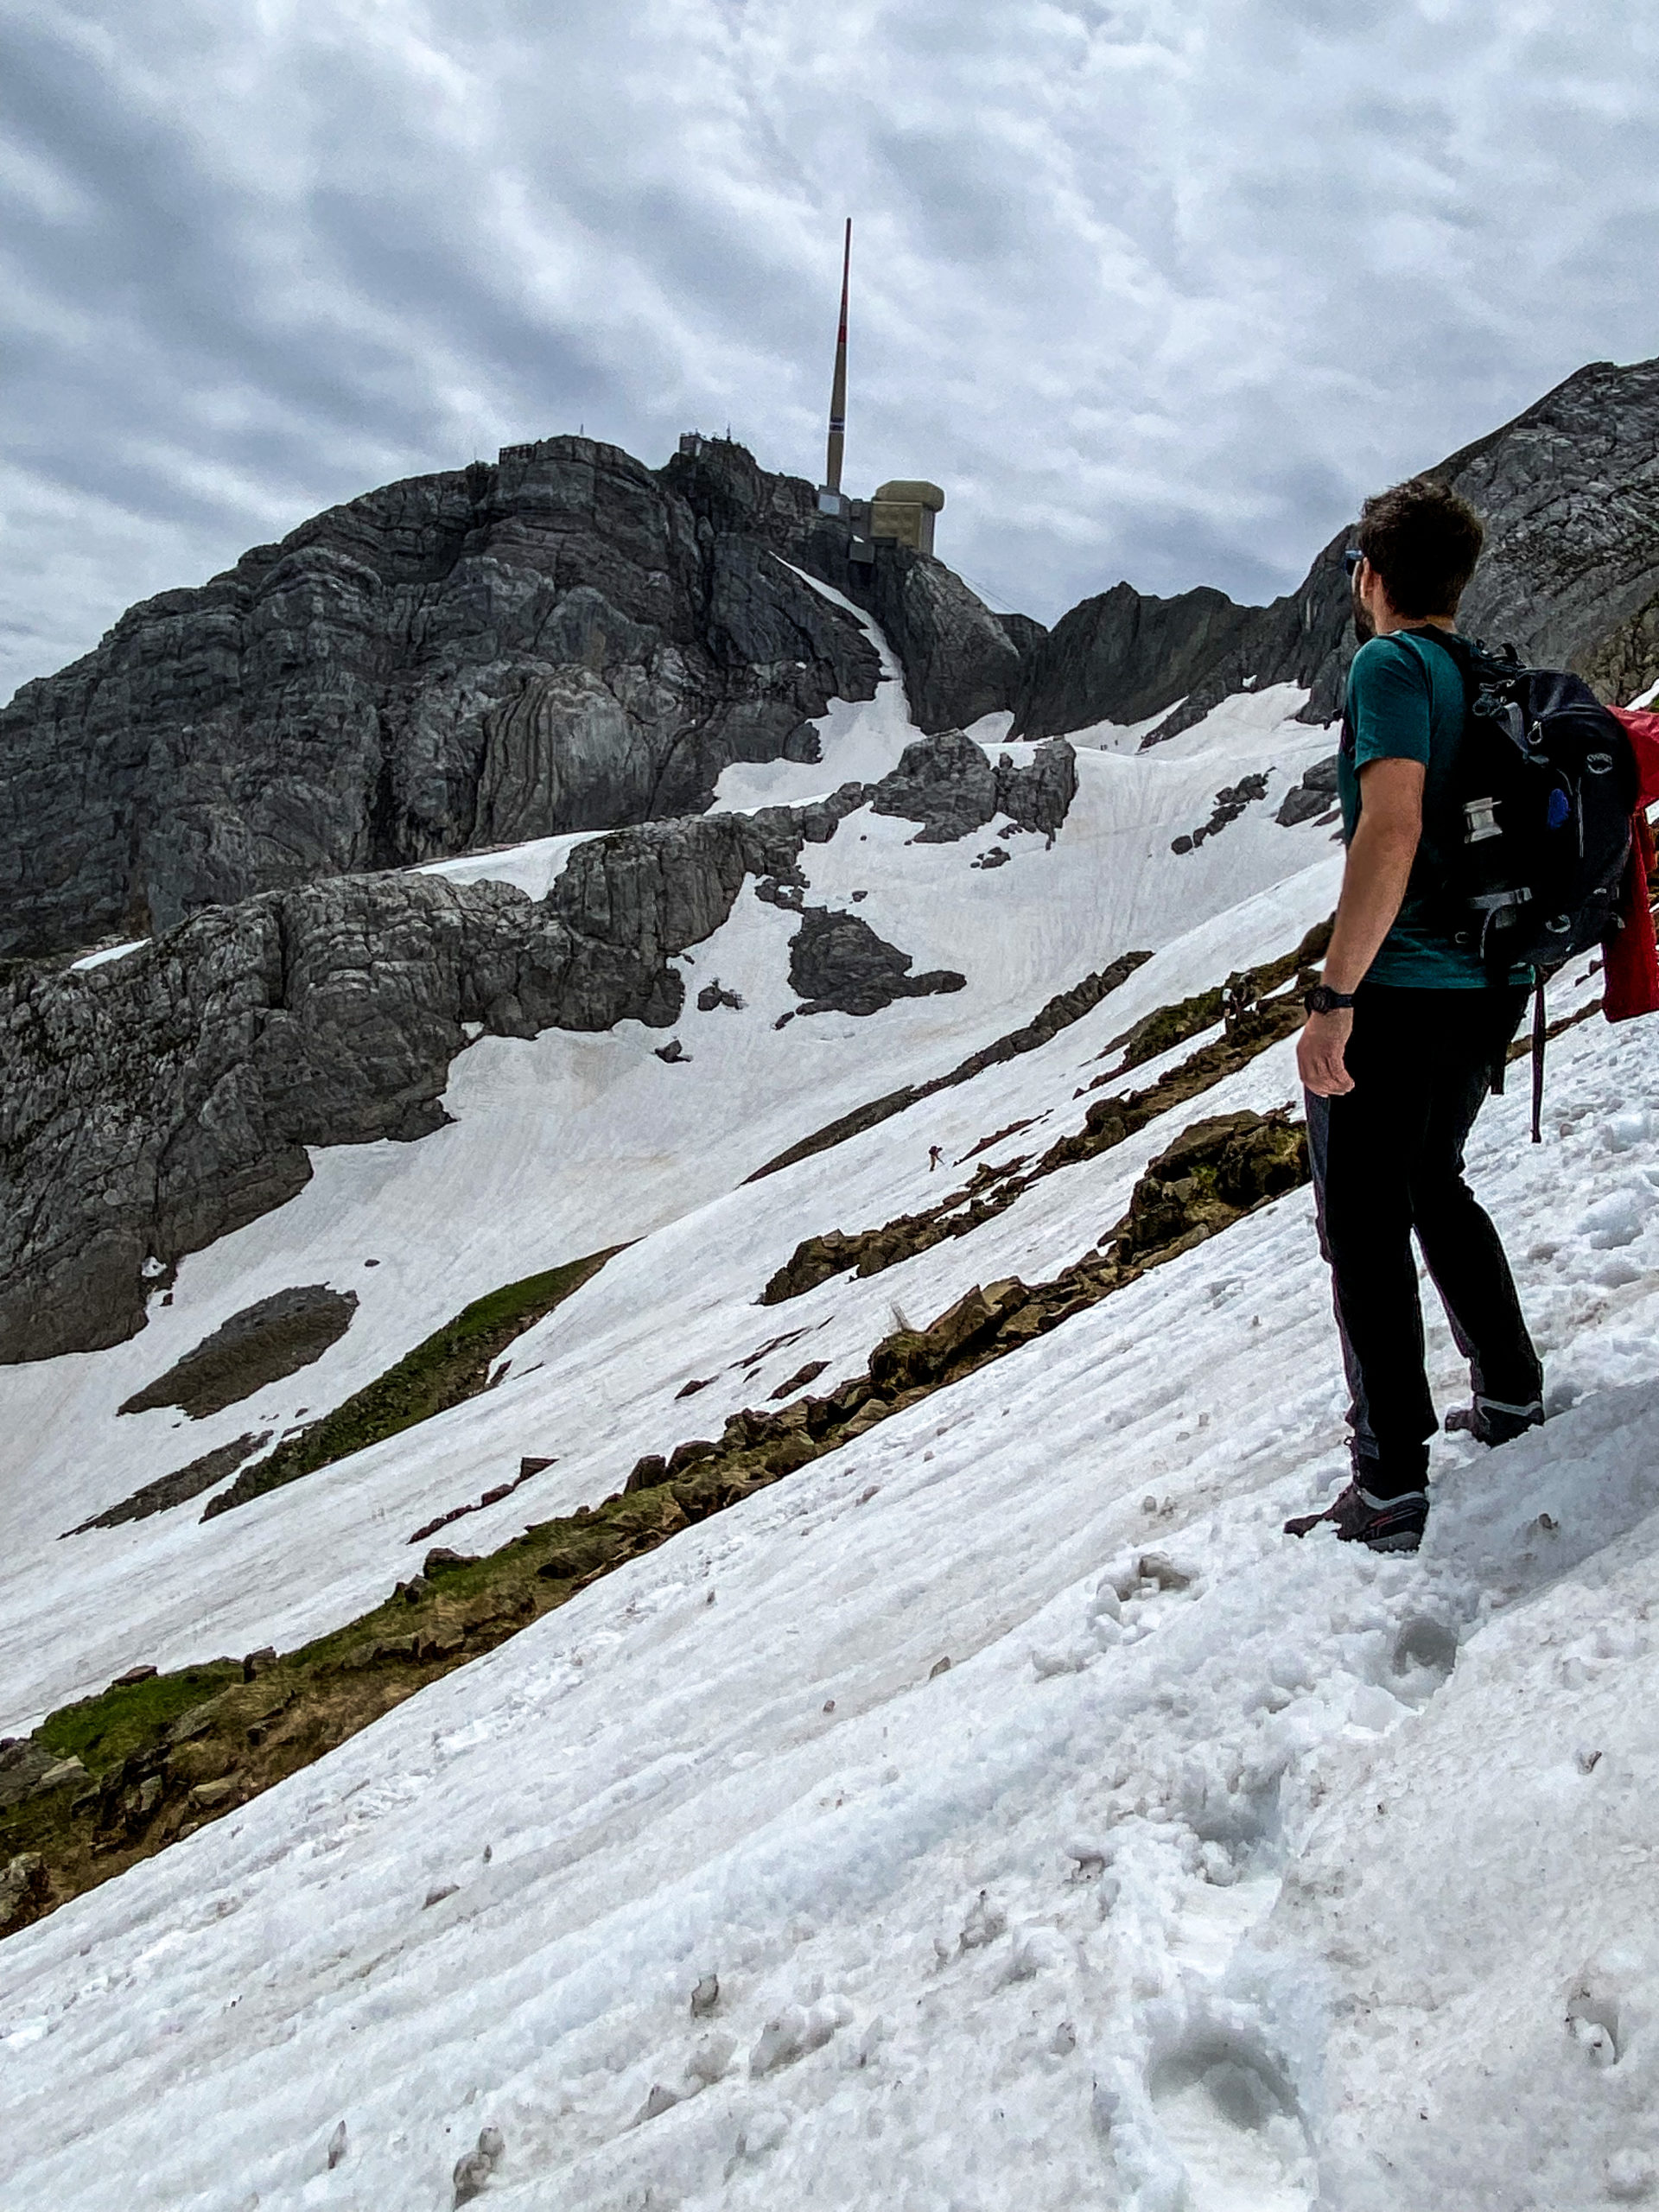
x=1352, y=559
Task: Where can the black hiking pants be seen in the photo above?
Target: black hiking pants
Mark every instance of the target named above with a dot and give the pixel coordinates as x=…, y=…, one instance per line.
x=1388, y=1159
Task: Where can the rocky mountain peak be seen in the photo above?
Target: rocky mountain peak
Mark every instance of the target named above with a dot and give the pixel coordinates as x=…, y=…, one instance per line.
x=563, y=639
x=1570, y=577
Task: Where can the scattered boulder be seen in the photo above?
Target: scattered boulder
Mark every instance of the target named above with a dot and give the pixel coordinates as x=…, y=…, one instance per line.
x=799, y=1379
x=25, y=1886
x=58, y=1776
x=1231, y=802
x=1315, y=795
x=442, y=1561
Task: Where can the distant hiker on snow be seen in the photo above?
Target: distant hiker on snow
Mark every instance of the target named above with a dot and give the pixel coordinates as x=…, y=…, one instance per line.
x=1405, y=1035
x=935, y=1155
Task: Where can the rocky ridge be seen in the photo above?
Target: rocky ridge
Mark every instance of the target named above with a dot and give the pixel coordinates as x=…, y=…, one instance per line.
x=152, y=1105
x=565, y=640
x=1569, y=492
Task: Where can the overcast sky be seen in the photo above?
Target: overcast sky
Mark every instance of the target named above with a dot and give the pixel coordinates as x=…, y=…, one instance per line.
x=1154, y=290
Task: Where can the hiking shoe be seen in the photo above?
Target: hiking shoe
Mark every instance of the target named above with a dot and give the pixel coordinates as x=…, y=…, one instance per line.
x=1386, y=1525
x=1488, y=1420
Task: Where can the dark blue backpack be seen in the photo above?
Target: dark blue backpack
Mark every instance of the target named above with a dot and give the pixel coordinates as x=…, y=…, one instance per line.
x=1526, y=865
x=1546, y=782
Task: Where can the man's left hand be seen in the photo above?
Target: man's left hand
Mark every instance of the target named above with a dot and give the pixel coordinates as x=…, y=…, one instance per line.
x=1320, y=1051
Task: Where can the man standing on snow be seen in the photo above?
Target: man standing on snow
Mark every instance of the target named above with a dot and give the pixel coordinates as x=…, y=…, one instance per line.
x=1403, y=1036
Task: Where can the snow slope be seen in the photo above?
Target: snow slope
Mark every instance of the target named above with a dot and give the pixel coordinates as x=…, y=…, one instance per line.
x=571, y=1144
x=1260, y=1878
x=1322, y=1879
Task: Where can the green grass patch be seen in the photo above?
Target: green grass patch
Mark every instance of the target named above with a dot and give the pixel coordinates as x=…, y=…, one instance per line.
x=101, y=1731
x=452, y=1364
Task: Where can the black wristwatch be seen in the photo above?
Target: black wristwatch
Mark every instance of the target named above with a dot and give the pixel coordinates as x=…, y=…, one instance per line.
x=1323, y=999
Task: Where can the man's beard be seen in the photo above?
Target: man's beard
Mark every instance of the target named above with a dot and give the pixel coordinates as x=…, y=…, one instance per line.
x=1364, y=628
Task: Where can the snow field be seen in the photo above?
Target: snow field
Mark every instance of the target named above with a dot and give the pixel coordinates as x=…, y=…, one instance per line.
x=567, y=1144
x=1215, y=1873
x=1104, y=1913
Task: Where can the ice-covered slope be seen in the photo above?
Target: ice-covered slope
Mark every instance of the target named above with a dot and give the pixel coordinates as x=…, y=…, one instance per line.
x=570, y=1144
x=1318, y=1879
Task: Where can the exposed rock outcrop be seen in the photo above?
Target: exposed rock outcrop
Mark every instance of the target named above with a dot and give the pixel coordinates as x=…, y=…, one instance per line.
x=567, y=640
x=1570, y=577
x=838, y=964
x=960, y=659
x=151, y=1105
x=178, y=1488
x=258, y=1346
x=156, y=1103
x=950, y=786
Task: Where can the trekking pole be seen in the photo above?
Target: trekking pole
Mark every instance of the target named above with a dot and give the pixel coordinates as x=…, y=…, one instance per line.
x=1538, y=1040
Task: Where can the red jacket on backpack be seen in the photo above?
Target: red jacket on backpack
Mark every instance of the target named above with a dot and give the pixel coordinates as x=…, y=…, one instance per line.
x=1631, y=960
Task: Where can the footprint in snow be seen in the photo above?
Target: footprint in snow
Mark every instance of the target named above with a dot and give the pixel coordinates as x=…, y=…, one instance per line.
x=1592, y=2021
x=1228, y=2116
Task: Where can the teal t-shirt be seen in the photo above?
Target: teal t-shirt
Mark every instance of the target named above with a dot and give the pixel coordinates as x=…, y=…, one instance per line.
x=1406, y=702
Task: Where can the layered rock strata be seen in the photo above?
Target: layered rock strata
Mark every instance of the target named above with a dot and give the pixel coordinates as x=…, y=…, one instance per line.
x=567, y=640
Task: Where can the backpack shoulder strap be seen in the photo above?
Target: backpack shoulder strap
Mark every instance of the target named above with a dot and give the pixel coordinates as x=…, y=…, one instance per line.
x=1457, y=650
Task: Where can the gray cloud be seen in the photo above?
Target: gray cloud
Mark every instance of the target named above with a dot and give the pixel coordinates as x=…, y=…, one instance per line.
x=1157, y=288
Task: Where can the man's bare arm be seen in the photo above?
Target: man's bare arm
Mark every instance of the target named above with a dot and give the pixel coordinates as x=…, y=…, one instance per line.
x=1373, y=884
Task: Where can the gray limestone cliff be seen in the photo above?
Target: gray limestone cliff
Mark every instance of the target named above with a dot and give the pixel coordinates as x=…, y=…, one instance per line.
x=1569, y=492
x=152, y=1104
x=565, y=640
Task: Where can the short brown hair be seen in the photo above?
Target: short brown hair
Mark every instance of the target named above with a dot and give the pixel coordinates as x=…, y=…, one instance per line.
x=1424, y=542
